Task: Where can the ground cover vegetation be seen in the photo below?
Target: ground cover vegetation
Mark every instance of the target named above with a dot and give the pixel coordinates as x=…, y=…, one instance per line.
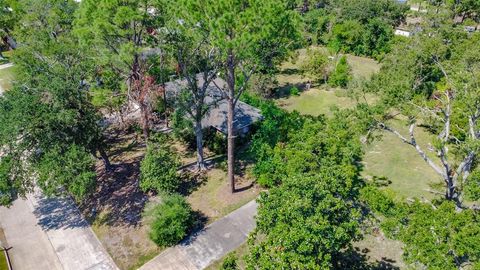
x=88, y=73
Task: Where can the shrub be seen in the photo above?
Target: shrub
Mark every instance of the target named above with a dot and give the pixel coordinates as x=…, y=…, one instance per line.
x=294, y=91
x=172, y=221
x=379, y=201
x=158, y=170
x=230, y=262
x=341, y=75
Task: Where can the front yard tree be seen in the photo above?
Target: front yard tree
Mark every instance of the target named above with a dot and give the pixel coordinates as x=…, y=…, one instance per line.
x=196, y=68
x=117, y=32
x=240, y=33
x=49, y=130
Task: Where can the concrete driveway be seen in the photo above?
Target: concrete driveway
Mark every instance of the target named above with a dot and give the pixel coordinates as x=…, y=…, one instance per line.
x=51, y=234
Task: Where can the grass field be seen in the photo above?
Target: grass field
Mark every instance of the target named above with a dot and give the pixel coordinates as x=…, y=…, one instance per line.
x=411, y=176
x=6, y=77
x=320, y=98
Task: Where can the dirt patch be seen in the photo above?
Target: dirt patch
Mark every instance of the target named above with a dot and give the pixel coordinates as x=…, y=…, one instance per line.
x=378, y=249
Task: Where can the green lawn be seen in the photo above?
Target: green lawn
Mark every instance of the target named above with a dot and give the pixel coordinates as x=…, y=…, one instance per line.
x=320, y=98
x=411, y=176
x=316, y=101
x=6, y=77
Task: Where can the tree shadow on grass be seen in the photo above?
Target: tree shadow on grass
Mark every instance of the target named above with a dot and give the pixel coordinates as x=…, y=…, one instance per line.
x=192, y=181
x=354, y=259
x=284, y=91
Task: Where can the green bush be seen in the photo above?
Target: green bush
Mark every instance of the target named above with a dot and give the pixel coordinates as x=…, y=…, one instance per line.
x=341, y=75
x=158, y=170
x=379, y=201
x=230, y=262
x=172, y=221
x=294, y=91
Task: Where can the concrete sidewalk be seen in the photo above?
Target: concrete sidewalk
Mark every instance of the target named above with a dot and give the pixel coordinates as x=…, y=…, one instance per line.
x=51, y=234
x=210, y=244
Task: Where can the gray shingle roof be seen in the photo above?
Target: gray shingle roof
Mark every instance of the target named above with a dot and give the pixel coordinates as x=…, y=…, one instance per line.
x=216, y=117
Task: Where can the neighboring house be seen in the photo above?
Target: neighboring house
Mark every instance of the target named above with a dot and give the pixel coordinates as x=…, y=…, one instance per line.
x=216, y=118
x=403, y=32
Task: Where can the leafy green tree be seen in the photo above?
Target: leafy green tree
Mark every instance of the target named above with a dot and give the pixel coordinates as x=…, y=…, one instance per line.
x=117, y=33
x=389, y=11
x=441, y=238
x=309, y=215
x=230, y=262
x=341, y=75
x=72, y=169
x=50, y=129
x=197, y=70
x=303, y=224
x=347, y=37
x=246, y=37
x=436, y=235
x=377, y=38
x=317, y=65
x=158, y=170
x=172, y=221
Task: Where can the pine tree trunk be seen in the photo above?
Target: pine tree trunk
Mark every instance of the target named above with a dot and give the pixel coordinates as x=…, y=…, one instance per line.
x=199, y=136
x=230, y=119
x=231, y=145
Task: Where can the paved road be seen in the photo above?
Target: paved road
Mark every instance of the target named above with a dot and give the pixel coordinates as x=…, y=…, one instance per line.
x=50, y=234
x=201, y=249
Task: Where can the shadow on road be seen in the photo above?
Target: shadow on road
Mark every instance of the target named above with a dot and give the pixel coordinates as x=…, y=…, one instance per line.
x=58, y=213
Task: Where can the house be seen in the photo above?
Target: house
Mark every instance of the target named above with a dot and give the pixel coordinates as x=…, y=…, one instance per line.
x=403, y=32
x=216, y=117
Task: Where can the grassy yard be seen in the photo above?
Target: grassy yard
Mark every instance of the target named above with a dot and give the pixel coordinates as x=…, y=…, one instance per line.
x=409, y=173
x=6, y=77
x=320, y=98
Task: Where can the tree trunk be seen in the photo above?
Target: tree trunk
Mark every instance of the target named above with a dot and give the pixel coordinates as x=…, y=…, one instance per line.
x=231, y=145
x=230, y=119
x=199, y=136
